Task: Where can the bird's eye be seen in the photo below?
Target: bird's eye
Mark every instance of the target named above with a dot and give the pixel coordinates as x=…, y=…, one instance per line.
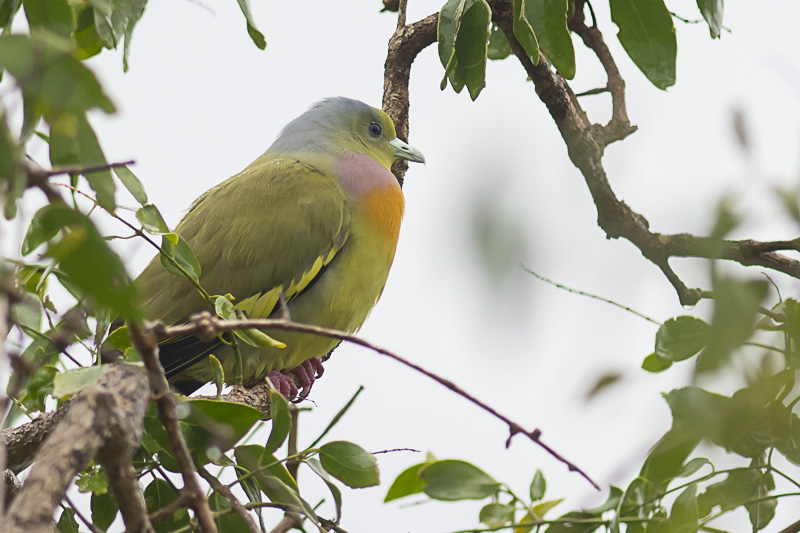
x=375, y=129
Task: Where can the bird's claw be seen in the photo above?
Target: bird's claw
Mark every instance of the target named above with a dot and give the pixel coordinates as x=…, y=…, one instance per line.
x=283, y=383
x=306, y=373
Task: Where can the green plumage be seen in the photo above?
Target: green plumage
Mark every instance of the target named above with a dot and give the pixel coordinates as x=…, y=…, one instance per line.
x=318, y=223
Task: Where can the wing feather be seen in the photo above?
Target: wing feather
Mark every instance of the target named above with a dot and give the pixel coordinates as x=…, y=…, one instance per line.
x=271, y=229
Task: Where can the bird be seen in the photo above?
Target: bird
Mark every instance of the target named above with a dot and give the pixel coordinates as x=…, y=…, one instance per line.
x=308, y=229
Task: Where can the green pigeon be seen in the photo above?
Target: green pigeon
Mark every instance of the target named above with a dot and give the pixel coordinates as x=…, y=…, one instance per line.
x=313, y=223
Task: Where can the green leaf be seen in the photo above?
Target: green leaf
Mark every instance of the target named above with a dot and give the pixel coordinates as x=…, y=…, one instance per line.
x=349, y=463
x=39, y=386
x=614, y=497
x=446, y=31
x=94, y=481
x=45, y=224
x=158, y=494
x=224, y=307
x=27, y=312
x=51, y=15
x=407, y=483
x=666, y=459
x=740, y=486
x=762, y=513
x=132, y=183
x=104, y=29
x=218, y=424
x=217, y=373
x=548, y=18
x=67, y=522
x=523, y=31
x=258, y=338
x=603, y=382
x=84, y=258
x=736, y=305
x=653, y=363
x=538, y=486
x=541, y=509
x=120, y=338
x=123, y=19
x=229, y=522
x=528, y=522
x=498, y=45
x=74, y=143
x=746, y=423
x=648, y=36
x=273, y=478
x=693, y=466
x=684, y=514
x=86, y=36
x=281, y=421
x=104, y=509
x=318, y=469
x=496, y=514
x=712, y=11
x=447, y=26
x=151, y=220
x=75, y=380
x=249, y=486
x=182, y=254
x=10, y=169
x=52, y=79
x=252, y=31
x=452, y=479
x=8, y=8
x=472, y=45
x=264, y=465
x=680, y=338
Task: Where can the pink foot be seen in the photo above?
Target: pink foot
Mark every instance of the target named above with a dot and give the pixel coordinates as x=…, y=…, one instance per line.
x=307, y=373
x=283, y=383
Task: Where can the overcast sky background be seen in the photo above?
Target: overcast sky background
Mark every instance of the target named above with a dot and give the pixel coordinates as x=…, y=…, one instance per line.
x=200, y=102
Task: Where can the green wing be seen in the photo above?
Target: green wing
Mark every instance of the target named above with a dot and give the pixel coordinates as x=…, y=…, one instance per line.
x=270, y=229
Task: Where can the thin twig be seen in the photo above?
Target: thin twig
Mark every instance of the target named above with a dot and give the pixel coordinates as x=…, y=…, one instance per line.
x=402, y=7
x=82, y=170
x=88, y=523
x=145, y=343
x=219, y=325
x=589, y=295
x=291, y=520
x=182, y=501
x=236, y=505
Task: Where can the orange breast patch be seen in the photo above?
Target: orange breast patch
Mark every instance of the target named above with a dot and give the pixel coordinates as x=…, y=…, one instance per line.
x=383, y=210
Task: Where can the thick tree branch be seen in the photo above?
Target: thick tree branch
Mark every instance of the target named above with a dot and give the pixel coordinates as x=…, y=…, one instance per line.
x=22, y=442
x=145, y=343
x=127, y=493
x=585, y=145
x=404, y=46
x=619, y=126
x=104, y=422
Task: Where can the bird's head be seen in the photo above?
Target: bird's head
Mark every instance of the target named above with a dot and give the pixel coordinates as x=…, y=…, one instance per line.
x=338, y=126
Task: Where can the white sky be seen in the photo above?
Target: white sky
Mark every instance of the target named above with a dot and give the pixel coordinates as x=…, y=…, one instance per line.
x=200, y=102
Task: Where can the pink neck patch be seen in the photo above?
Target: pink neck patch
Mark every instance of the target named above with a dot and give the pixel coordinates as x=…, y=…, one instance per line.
x=360, y=175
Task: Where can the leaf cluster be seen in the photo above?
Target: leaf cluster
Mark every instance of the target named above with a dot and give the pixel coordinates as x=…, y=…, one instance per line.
x=468, y=36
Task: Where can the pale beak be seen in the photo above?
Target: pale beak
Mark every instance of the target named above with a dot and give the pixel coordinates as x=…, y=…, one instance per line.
x=406, y=151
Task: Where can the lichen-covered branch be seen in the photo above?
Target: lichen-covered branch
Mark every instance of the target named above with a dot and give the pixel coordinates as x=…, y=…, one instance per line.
x=104, y=423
